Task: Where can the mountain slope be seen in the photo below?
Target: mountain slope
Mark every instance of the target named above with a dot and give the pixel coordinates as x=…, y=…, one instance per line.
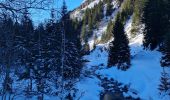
x=143, y=77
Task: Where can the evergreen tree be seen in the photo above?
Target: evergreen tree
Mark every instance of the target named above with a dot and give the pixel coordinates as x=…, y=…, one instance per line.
x=100, y=11
x=73, y=61
x=46, y=64
x=70, y=56
x=7, y=53
x=64, y=11
x=165, y=61
x=90, y=25
x=127, y=9
x=137, y=16
x=164, y=87
x=109, y=8
x=25, y=40
x=119, y=53
x=156, y=24
x=108, y=35
x=91, y=19
x=83, y=32
x=138, y=9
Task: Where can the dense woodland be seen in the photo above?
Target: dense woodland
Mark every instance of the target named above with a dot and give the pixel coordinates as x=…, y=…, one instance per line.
x=36, y=56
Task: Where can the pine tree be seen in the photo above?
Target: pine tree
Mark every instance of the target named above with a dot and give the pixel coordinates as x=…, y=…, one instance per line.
x=138, y=9
x=164, y=87
x=44, y=63
x=156, y=24
x=25, y=41
x=119, y=53
x=127, y=9
x=53, y=16
x=83, y=32
x=73, y=65
x=100, y=11
x=70, y=56
x=90, y=25
x=137, y=16
x=7, y=53
x=64, y=11
x=109, y=8
x=108, y=35
x=165, y=61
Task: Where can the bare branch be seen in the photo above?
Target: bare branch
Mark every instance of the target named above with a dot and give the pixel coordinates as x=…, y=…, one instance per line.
x=18, y=6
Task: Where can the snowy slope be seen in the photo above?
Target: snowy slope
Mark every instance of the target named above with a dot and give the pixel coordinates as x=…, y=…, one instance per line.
x=78, y=13
x=103, y=26
x=143, y=77
x=144, y=74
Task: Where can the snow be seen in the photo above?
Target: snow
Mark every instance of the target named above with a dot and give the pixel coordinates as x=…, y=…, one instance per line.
x=103, y=26
x=78, y=13
x=143, y=76
x=89, y=89
x=98, y=56
x=92, y=4
x=98, y=32
x=128, y=27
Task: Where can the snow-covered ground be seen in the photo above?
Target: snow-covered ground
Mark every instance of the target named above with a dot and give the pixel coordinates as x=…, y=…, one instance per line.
x=143, y=76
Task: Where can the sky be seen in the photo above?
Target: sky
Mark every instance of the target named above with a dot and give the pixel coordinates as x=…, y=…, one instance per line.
x=73, y=3
x=40, y=16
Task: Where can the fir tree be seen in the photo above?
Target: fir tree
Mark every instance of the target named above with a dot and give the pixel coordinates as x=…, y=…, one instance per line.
x=100, y=11
x=83, y=32
x=90, y=25
x=64, y=11
x=73, y=64
x=26, y=51
x=127, y=9
x=7, y=53
x=137, y=16
x=165, y=61
x=109, y=8
x=164, y=87
x=119, y=53
x=156, y=24
x=108, y=35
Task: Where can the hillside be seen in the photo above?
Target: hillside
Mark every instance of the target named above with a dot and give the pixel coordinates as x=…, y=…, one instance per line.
x=102, y=50
x=142, y=78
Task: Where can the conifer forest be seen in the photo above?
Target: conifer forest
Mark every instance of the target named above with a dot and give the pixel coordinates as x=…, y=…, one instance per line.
x=84, y=49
